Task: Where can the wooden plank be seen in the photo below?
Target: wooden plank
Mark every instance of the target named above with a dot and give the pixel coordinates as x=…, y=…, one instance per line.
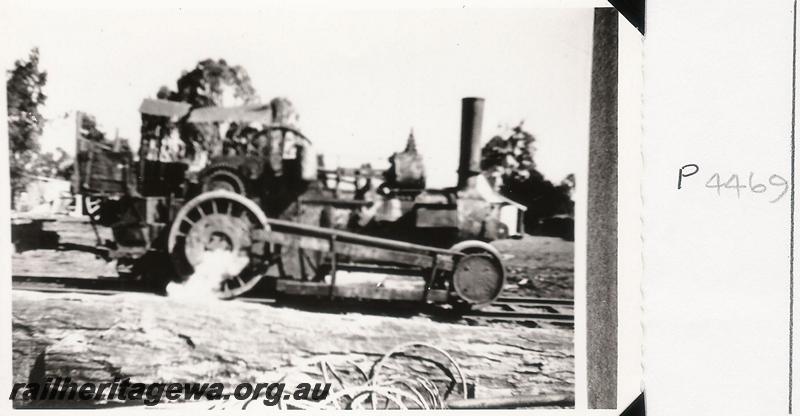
x=435, y=217
x=164, y=108
x=364, y=291
x=356, y=251
x=382, y=254
x=244, y=113
x=305, y=229
x=349, y=203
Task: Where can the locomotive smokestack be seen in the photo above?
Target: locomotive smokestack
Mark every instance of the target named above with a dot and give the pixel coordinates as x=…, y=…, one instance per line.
x=470, y=160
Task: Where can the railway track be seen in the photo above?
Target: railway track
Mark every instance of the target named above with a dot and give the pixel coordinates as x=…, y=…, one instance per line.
x=94, y=286
x=527, y=311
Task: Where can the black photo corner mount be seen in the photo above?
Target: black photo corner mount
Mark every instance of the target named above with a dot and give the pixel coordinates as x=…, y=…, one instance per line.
x=636, y=408
x=633, y=10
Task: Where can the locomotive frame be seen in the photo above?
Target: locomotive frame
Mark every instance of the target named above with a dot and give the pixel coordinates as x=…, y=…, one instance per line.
x=162, y=232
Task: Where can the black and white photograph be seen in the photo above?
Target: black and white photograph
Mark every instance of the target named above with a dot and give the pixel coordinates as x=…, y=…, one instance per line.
x=357, y=207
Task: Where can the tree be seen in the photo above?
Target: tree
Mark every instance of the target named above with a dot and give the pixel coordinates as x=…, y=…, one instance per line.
x=49, y=165
x=24, y=90
x=210, y=83
x=508, y=163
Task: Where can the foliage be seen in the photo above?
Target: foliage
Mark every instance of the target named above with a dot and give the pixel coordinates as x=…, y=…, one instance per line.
x=542, y=198
x=513, y=155
x=509, y=165
x=90, y=130
x=210, y=83
x=24, y=86
x=57, y=164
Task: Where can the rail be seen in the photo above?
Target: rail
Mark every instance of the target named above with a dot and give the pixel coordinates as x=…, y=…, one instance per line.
x=538, y=311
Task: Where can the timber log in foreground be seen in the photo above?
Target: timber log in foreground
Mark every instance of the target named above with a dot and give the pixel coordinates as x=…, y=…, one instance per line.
x=154, y=339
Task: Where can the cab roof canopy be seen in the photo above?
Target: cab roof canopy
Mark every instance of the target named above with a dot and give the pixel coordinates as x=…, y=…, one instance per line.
x=164, y=108
x=249, y=113
x=243, y=114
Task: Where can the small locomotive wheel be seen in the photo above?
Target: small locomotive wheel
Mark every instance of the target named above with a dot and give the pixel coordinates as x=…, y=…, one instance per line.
x=478, y=276
x=213, y=221
x=223, y=179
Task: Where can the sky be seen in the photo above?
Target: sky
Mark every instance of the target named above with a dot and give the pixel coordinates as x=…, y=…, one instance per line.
x=360, y=79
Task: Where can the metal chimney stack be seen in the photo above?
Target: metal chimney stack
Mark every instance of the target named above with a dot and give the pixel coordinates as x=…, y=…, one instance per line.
x=469, y=165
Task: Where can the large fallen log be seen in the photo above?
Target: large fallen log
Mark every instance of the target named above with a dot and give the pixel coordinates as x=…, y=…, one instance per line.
x=92, y=338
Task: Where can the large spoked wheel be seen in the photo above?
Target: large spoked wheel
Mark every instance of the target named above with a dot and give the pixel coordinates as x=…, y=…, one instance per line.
x=478, y=276
x=214, y=223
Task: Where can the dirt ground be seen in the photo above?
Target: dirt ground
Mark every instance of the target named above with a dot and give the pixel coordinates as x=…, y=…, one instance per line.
x=58, y=246
x=539, y=266
x=65, y=246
